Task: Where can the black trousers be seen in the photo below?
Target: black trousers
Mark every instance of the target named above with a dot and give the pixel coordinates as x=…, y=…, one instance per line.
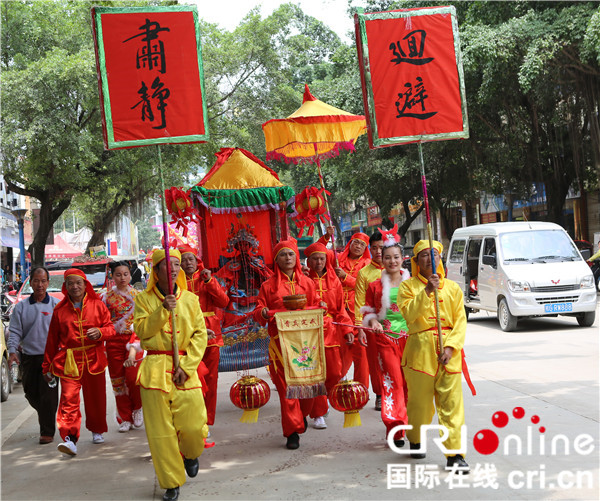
x=39, y=395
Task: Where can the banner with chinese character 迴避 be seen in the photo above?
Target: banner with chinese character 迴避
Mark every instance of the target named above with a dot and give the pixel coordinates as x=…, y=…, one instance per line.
x=412, y=78
x=150, y=75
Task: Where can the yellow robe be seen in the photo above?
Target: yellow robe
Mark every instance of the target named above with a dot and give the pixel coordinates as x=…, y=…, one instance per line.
x=426, y=382
x=175, y=417
x=368, y=274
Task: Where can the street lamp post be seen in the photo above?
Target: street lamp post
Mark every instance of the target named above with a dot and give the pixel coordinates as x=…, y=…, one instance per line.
x=20, y=215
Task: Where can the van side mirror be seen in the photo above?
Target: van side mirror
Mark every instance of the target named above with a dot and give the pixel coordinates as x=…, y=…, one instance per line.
x=489, y=260
x=585, y=254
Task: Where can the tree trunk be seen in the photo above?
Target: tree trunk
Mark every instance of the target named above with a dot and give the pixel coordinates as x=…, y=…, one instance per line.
x=102, y=223
x=48, y=216
x=409, y=217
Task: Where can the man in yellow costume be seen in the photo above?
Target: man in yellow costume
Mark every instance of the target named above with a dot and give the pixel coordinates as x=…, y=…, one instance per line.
x=366, y=275
x=174, y=409
x=430, y=375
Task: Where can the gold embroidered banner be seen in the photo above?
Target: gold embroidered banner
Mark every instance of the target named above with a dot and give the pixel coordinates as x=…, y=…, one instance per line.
x=302, y=352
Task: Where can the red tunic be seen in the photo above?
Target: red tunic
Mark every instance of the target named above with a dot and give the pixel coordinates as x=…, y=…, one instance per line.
x=351, y=267
x=272, y=292
x=68, y=350
x=212, y=297
x=331, y=293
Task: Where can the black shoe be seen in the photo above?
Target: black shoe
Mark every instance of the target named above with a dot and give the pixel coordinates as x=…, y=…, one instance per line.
x=171, y=494
x=305, y=425
x=293, y=441
x=191, y=466
x=399, y=443
x=458, y=464
x=416, y=455
x=377, y=402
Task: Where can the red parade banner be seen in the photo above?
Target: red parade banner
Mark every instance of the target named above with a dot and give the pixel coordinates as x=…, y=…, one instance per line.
x=412, y=78
x=150, y=75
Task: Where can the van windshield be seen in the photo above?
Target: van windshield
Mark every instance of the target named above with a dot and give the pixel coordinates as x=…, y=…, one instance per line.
x=538, y=246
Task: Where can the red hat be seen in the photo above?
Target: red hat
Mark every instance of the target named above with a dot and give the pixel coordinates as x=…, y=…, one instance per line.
x=188, y=249
x=366, y=257
x=316, y=247
x=184, y=248
x=89, y=289
x=363, y=237
x=286, y=244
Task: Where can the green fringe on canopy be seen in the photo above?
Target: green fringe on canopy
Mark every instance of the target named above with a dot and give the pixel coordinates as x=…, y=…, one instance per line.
x=252, y=199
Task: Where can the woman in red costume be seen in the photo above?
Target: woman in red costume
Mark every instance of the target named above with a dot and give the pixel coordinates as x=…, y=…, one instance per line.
x=120, y=301
x=287, y=280
x=382, y=314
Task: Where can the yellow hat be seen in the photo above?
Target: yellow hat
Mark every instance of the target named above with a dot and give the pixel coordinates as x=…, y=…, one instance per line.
x=420, y=246
x=159, y=255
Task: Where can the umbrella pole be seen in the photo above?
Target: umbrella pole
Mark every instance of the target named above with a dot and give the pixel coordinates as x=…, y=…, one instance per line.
x=429, y=232
x=337, y=263
x=168, y=260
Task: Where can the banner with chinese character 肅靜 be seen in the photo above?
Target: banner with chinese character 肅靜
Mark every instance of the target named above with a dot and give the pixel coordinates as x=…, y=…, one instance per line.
x=150, y=75
x=412, y=77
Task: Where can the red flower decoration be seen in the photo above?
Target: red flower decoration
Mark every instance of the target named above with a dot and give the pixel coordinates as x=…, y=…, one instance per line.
x=180, y=208
x=394, y=308
x=387, y=325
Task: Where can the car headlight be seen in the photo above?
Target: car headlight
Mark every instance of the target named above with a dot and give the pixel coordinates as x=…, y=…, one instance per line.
x=587, y=282
x=518, y=286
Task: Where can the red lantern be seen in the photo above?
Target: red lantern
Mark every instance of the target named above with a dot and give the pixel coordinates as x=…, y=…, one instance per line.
x=250, y=394
x=180, y=208
x=310, y=208
x=349, y=397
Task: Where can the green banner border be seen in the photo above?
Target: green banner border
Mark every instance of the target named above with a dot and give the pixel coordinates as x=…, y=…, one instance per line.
x=97, y=12
x=370, y=104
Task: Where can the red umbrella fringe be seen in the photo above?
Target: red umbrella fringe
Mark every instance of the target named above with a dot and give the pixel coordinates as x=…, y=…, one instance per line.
x=345, y=145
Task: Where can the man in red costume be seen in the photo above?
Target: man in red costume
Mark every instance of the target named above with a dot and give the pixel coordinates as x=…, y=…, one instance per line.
x=212, y=297
x=331, y=296
x=287, y=280
x=75, y=354
x=351, y=260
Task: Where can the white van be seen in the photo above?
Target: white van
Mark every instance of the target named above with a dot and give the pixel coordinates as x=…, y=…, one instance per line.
x=521, y=269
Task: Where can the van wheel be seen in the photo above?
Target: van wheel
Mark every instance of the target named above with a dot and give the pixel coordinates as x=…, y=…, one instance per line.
x=508, y=322
x=586, y=319
x=467, y=311
x=5, y=380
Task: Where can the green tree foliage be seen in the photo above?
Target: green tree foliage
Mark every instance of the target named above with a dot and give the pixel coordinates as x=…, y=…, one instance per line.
x=532, y=80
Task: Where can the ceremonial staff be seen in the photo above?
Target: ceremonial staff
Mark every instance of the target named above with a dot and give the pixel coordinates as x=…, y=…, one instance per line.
x=433, y=267
x=168, y=259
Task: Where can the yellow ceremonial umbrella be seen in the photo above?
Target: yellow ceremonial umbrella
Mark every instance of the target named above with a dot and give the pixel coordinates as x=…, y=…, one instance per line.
x=315, y=130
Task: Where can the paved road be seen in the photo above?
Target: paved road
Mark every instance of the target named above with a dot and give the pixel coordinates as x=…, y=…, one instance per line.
x=549, y=368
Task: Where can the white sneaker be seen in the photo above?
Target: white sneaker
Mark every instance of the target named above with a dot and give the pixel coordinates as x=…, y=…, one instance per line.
x=124, y=427
x=97, y=438
x=68, y=447
x=138, y=417
x=319, y=423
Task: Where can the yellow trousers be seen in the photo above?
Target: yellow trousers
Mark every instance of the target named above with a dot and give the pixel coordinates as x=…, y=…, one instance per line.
x=175, y=424
x=446, y=391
